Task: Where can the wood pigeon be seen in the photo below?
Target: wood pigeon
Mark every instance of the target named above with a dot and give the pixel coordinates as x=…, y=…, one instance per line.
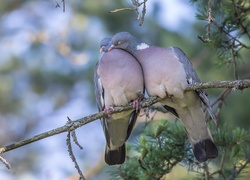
x=118, y=81
x=105, y=44
x=167, y=72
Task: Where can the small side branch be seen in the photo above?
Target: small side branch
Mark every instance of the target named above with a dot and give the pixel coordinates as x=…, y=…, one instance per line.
x=209, y=19
x=5, y=162
x=58, y=5
x=72, y=156
x=137, y=4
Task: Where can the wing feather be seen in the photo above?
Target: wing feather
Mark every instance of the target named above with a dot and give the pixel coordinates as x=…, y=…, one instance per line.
x=192, y=77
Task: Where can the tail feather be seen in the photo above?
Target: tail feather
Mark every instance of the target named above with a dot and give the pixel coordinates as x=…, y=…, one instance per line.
x=204, y=150
x=203, y=97
x=211, y=149
x=113, y=157
x=195, y=124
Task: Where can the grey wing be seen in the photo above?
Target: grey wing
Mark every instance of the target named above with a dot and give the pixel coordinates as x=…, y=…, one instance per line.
x=99, y=96
x=132, y=122
x=192, y=77
x=190, y=72
x=99, y=91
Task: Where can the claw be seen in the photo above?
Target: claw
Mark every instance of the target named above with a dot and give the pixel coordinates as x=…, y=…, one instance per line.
x=136, y=104
x=136, y=101
x=108, y=110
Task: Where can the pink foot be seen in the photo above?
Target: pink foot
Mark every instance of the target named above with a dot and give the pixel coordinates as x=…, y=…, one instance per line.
x=108, y=110
x=136, y=104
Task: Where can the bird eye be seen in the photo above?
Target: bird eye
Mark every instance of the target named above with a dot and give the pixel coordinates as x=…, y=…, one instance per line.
x=119, y=42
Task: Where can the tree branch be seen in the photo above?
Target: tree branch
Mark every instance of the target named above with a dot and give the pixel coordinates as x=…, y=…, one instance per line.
x=237, y=84
x=72, y=125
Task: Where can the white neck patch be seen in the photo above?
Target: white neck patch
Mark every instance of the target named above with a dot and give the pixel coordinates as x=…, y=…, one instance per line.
x=142, y=46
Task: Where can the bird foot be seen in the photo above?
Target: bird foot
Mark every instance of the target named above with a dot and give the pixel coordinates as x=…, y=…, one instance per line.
x=108, y=110
x=136, y=104
x=137, y=100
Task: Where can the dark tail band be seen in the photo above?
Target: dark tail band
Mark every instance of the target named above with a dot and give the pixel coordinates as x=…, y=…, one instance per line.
x=115, y=156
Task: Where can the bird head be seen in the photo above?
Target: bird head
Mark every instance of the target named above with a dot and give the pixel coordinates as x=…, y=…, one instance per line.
x=105, y=44
x=121, y=40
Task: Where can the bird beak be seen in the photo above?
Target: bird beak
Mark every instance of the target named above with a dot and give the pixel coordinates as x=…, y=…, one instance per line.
x=101, y=49
x=111, y=47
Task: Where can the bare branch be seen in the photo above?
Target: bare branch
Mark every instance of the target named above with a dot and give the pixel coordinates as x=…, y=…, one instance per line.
x=122, y=9
x=220, y=101
x=137, y=4
x=72, y=156
x=222, y=96
x=66, y=128
x=72, y=125
x=234, y=63
x=238, y=168
x=63, y=1
x=57, y=4
x=209, y=19
x=5, y=162
x=73, y=134
x=230, y=35
x=143, y=12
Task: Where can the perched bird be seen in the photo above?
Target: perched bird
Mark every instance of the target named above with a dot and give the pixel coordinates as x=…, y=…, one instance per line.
x=118, y=81
x=167, y=72
x=105, y=44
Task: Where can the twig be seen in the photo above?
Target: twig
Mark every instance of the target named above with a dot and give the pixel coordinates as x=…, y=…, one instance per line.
x=143, y=12
x=222, y=163
x=209, y=19
x=5, y=162
x=122, y=9
x=220, y=101
x=137, y=4
x=57, y=4
x=234, y=63
x=206, y=173
x=63, y=1
x=204, y=40
x=217, y=113
x=228, y=33
x=73, y=134
x=222, y=96
x=237, y=172
x=70, y=126
x=72, y=156
x=242, y=167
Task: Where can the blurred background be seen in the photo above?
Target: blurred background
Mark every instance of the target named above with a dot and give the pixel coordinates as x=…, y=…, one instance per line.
x=47, y=58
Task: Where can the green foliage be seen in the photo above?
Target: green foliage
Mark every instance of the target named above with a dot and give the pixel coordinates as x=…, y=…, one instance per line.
x=163, y=145
x=228, y=28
